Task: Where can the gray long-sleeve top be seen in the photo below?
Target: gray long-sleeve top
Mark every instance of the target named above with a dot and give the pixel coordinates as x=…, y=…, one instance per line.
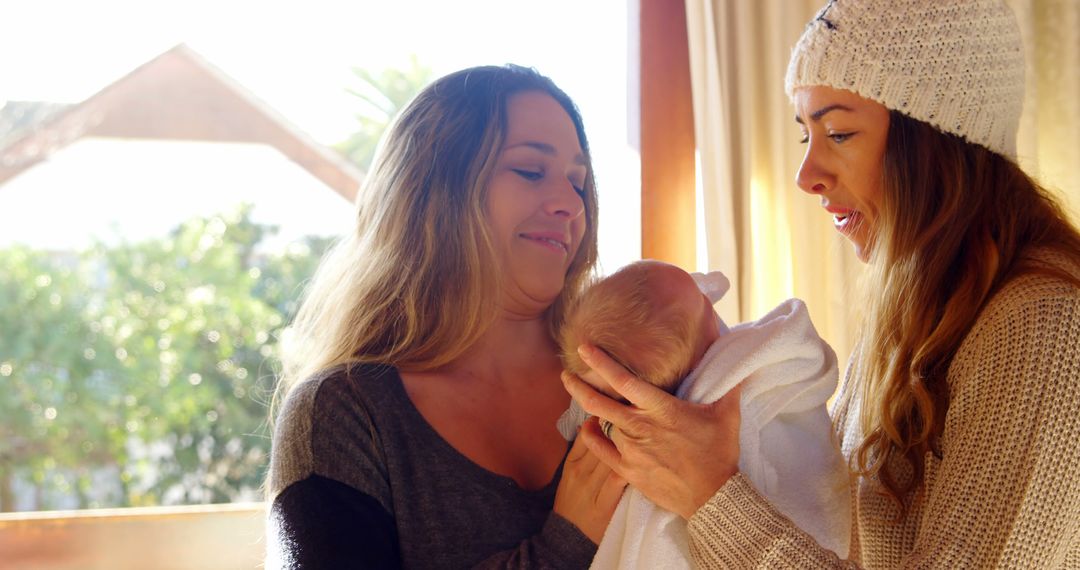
x=359, y=479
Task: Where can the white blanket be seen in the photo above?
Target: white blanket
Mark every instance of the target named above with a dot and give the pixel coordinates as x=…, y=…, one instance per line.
x=787, y=449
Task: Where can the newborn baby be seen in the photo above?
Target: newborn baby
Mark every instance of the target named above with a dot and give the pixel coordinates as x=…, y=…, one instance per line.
x=658, y=322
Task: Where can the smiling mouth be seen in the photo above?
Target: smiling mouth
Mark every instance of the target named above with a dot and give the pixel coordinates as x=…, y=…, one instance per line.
x=846, y=222
x=549, y=242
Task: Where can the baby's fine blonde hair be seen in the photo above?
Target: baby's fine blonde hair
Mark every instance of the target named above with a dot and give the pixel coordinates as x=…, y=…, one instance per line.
x=620, y=315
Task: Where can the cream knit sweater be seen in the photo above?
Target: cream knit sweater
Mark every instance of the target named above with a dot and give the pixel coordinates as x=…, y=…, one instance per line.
x=1006, y=492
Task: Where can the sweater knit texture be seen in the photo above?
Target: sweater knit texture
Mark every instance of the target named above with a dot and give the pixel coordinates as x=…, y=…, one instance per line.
x=1005, y=491
x=956, y=64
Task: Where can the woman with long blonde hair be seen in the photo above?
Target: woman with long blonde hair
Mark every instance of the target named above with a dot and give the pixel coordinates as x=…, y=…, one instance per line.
x=420, y=386
x=960, y=411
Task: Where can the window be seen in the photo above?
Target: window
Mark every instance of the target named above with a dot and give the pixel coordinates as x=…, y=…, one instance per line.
x=168, y=179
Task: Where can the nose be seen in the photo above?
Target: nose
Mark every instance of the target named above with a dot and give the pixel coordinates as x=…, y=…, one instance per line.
x=813, y=177
x=564, y=201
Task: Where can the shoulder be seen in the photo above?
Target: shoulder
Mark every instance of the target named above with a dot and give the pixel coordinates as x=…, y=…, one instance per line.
x=326, y=419
x=1033, y=303
x=1027, y=332
x=315, y=398
x=1043, y=283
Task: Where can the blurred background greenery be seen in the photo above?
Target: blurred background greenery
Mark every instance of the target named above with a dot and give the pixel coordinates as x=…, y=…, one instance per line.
x=140, y=374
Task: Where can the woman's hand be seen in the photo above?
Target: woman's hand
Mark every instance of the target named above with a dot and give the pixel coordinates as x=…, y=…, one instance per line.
x=675, y=452
x=588, y=492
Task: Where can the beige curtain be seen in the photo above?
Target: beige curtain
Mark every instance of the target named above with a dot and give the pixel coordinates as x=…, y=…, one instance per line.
x=1049, y=145
x=773, y=240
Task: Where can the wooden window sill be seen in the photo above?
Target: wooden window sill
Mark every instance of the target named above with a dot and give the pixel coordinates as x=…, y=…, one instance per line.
x=199, y=536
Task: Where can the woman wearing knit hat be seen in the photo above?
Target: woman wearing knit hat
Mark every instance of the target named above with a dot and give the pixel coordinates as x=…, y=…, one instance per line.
x=960, y=411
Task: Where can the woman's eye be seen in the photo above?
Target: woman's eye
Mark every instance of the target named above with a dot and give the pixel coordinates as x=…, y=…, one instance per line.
x=804, y=139
x=531, y=175
x=840, y=137
x=579, y=188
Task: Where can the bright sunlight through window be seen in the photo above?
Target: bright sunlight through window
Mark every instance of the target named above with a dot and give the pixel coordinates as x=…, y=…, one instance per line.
x=170, y=173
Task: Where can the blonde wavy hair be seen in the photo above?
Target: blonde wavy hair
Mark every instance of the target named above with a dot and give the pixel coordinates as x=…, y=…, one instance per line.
x=412, y=285
x=619, y=315
x=955, y=225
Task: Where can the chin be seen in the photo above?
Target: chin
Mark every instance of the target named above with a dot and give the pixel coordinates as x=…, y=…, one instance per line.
x=536, y=303
x=864, y=253
x=862, y=250
x=549, y=293
x=549, y=300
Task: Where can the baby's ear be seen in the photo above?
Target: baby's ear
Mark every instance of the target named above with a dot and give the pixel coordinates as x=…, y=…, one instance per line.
x=713, y=284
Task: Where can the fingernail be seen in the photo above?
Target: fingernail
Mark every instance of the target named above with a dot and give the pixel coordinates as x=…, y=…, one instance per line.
x=585, y=352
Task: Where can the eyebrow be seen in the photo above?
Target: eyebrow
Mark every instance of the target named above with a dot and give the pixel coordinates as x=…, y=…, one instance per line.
x=548, y=150
x=817, y=115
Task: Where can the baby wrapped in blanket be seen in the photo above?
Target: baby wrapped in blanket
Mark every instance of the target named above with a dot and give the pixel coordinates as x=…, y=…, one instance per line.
x=658, y=322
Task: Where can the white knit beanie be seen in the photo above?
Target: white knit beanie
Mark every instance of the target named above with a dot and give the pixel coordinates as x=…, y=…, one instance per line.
x=956, y=64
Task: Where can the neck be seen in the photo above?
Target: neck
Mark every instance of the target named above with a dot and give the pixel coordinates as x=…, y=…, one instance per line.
x=513, y=349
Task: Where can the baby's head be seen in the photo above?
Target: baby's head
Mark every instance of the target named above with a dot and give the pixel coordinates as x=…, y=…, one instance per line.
x=649, y=316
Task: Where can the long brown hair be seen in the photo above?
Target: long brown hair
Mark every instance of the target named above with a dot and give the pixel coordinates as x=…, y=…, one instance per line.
x=412, y=285
x=956, y=223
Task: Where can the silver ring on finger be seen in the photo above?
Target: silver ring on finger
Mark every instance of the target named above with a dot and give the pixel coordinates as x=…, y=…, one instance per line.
x=606, y=427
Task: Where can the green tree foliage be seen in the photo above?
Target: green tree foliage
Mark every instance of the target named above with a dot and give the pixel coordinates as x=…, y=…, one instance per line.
x=381, y=96
x=151, y=363
x=60, y=383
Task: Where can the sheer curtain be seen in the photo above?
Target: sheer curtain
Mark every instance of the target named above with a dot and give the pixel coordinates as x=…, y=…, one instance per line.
x=771, y=239
x=1049, y=145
